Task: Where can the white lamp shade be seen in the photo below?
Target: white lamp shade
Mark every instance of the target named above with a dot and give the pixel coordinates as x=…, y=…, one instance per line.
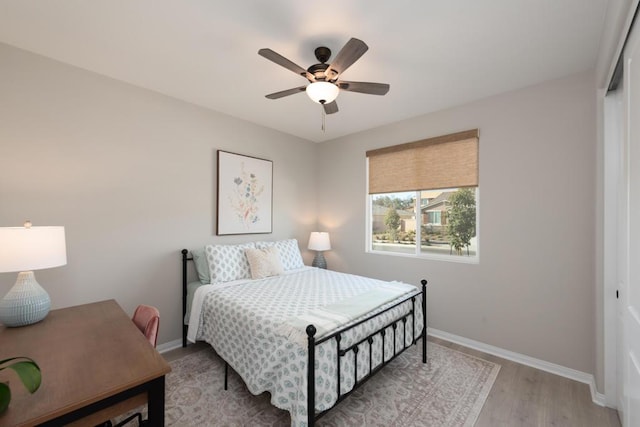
x=33, y=248
x=319, y=241
x=322, y=92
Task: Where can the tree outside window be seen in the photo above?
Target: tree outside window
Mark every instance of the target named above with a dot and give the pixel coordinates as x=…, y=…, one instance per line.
x=392, y=221
x=461, y=226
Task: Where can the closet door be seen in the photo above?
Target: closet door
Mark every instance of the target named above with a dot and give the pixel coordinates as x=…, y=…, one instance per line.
x=630, y=303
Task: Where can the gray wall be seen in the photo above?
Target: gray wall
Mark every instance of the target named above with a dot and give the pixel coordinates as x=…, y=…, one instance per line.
x=533, y=289
x=131, y=175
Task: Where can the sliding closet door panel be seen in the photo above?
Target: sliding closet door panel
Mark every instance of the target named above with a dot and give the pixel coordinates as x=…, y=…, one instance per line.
x=631, y=295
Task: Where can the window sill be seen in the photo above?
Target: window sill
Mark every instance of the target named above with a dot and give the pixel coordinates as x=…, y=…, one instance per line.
x=431, y=257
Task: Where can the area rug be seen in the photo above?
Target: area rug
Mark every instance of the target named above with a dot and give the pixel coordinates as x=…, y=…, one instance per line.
x=449, y=390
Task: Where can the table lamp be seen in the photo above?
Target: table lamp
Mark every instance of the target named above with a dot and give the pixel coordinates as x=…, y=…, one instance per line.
x=319, y=241
x=22, y=250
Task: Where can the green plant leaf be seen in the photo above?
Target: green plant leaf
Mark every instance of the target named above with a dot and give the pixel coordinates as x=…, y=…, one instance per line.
x=27, y=369
x=5, y=397
x=5, y=361
x=29, y=373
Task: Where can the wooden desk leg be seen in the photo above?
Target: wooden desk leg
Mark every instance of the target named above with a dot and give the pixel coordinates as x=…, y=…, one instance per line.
x=156, y=402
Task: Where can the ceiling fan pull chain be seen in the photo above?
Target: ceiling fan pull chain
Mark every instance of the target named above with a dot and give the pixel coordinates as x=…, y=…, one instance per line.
x=323, y=119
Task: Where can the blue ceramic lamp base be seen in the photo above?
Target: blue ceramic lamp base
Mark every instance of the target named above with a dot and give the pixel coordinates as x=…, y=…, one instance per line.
x=25, y=303
x=319, y=261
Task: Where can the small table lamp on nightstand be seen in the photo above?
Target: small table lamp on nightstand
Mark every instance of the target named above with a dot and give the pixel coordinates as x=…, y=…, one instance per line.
x=23, y=249
x=319, y=241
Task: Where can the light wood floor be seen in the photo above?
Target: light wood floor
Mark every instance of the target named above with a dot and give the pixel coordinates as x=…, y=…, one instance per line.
x=525, y=396
x=521, y=396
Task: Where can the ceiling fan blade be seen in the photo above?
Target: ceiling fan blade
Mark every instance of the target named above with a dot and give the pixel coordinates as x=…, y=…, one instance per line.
x=349, y=54
x=364, y=87
x=331, y=107
x=287, y=92
x=284, y=62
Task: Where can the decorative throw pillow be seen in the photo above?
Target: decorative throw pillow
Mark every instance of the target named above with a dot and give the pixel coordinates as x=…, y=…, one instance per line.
x=202, y=267
x=228, y=262
x=264, y=262
x=289, y=252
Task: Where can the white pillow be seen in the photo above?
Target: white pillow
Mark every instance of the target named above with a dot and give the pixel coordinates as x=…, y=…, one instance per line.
x=288, y=250
x=264, y=262
x=228, y=262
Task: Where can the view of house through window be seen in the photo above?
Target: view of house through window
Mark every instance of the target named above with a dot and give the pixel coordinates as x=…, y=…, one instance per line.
x=443, y=221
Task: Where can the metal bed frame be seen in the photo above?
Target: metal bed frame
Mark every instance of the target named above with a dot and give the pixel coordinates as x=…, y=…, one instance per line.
x=312, y=416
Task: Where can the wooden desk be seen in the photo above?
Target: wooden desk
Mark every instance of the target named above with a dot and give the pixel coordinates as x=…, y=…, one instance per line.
x=92, y=356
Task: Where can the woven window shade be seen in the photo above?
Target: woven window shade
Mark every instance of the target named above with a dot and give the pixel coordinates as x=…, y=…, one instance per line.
x=448, y=161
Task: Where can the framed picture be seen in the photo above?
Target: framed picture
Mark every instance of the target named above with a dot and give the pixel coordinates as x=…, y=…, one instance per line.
x=245, y=194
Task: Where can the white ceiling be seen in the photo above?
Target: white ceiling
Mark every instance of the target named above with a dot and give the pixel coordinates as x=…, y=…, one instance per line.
x=434, y=53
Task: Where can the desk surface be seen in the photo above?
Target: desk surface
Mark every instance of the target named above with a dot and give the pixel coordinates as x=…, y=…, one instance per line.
x=86, y=353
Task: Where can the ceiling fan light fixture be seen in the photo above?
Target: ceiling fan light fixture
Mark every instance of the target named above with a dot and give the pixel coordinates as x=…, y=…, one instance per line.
x=322, y=92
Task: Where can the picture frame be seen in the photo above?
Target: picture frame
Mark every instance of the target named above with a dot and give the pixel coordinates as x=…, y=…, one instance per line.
x=245, y=194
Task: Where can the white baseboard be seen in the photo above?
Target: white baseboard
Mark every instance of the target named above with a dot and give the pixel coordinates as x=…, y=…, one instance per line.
x=583, y=377
x=168, y=346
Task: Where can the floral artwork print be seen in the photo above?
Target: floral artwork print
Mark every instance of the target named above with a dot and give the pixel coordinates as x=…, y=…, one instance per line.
x=244, y=194
x=244, y=198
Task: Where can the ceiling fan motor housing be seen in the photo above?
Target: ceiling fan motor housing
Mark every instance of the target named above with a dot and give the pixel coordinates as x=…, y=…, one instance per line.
x=318, y=70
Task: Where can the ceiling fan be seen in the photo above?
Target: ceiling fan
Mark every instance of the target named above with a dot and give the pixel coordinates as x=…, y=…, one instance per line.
x=324, y=84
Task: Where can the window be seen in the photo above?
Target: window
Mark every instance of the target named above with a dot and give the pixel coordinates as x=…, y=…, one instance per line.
x=434, y=217
x=425, y=191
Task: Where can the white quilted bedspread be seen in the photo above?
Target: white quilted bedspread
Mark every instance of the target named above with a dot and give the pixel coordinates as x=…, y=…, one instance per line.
x=242, y=319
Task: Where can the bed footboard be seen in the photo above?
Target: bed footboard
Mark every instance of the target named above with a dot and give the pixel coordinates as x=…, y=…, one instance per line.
x=312, y=416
